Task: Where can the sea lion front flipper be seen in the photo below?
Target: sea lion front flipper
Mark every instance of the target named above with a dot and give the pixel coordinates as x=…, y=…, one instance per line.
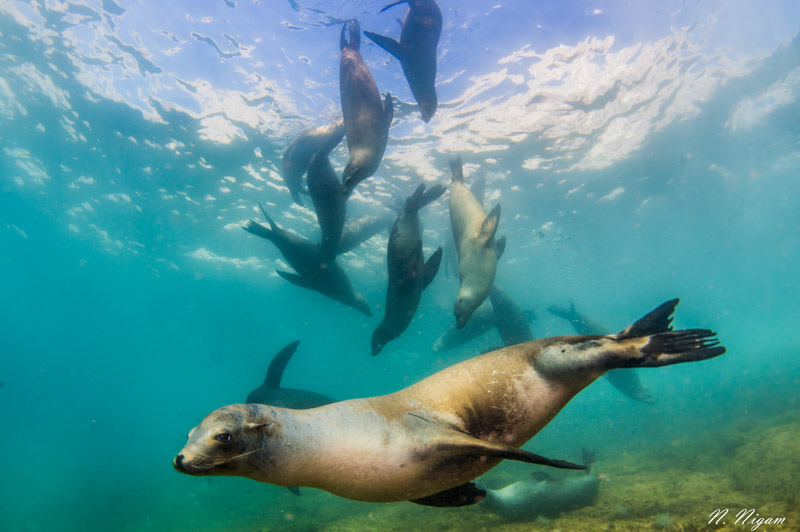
x=489, y=225
x=255, y=228
x=450, y=440
x=295, y=279
x=432, y=267
x=463, y=495
x=278, y=365
x=387, y=6
x=387, y=43
x=500, y=246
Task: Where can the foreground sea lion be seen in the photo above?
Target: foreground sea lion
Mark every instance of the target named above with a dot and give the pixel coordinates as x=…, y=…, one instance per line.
x=474, y=233
x=427, y=442
x=297, y=156
x=409, y=274
x=416, y=50
x=366, y=121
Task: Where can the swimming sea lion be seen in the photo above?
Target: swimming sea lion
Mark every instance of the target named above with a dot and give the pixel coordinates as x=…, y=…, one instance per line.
x=271, y=393
x=627, y=381
x=366, y=121
x=325, y=277
x=474, y=233
x=409, y=274
x=330, y=203
x=511, y=321
x=299, y=153
x=358, y=231
x=416, y=50
x=481, y=321
x=547, y=496
x=427, y=442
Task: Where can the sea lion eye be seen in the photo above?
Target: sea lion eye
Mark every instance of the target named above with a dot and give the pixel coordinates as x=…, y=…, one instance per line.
x=224, y=437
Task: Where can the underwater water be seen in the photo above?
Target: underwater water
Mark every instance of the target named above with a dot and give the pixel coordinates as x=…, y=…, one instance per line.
x=641, y=151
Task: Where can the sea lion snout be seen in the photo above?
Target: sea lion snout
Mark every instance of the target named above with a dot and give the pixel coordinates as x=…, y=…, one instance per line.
x=178, y=463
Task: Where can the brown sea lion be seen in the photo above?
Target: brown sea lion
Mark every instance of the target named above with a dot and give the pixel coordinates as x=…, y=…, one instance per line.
x=416, y=50
x=366, y=121
x=474, y=234
x=427, y=442
x=409, y=274
x=313, y=273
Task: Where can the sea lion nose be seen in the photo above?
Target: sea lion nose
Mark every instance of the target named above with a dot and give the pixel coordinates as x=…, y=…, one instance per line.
x=178, y=463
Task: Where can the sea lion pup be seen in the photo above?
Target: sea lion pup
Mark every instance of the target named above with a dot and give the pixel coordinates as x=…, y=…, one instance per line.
x=330, y=204
x=271, y=393
x=358, y=231
x=474, y=233
x=545, y=495
x=327, y=278
x=299, y=153
x=427, y=442
x=626, y=381
x=409, y=274
x=366, y=121
x=416, y=50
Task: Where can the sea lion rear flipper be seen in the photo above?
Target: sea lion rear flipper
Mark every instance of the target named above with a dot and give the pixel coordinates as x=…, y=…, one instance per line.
x=270, y=221
x=463, y=495
x=654, y=322
x=500, y=246
x=295, y=279
x=489, y=225
x=278, y=365
x=387, y=43
x=294, y=490
x=456, y=168
x=432, y=267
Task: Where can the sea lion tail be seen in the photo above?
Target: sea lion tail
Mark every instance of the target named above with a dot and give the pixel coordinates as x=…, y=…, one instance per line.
x=457, y=169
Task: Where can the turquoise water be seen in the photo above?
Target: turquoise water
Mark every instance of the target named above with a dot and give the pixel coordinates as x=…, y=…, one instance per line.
x=638, y=154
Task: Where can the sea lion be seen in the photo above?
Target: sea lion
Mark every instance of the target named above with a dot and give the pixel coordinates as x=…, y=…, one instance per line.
x=271, y=393
x=474, y=233
x=409, y=274
x=416, y=50
x=358, y=231
x=427, y=442
x=330, y=204
x=366, y=121
x=626, y=381
x=299, y=153
x=545, y=495
x=511, y=321
x=325, y=277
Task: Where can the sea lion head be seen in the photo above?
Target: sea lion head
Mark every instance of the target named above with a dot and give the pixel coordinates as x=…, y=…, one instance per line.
x=466, y=303
x=232, y=441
